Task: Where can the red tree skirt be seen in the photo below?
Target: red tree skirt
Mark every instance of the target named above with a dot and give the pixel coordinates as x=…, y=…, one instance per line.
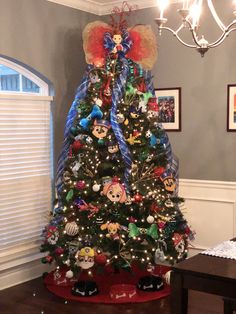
x=62, y=287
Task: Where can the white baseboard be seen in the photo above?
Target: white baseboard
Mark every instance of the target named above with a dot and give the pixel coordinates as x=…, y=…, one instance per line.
x=17, y=275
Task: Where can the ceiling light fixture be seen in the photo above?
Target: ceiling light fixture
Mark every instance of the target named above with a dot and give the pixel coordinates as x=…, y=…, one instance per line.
x=190, y=14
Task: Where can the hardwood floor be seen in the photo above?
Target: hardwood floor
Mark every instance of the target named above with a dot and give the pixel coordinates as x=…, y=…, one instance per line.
x=33, y=298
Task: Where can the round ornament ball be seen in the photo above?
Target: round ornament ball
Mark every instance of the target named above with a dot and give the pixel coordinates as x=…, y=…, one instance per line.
x=150, y=219
x=71, y=228
x=100, y=259
x=96, y=187
x=138, y=198
x=167, y=277
x=69, y=274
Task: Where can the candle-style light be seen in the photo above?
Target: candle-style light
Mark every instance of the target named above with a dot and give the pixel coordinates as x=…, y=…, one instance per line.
x=190, y=13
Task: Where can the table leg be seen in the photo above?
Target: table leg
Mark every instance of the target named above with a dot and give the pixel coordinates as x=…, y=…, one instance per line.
x=228, y=307
x=179, y=295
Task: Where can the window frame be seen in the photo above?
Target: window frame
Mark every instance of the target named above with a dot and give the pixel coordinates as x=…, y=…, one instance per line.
x=28, y=252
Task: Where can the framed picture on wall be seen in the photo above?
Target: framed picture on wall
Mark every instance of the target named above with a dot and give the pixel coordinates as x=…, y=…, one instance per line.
x=169, y=105
x=231, y=108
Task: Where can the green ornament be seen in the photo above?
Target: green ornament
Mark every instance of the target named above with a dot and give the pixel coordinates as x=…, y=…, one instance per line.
x=152, y=231
x=133, y=230
x=69, y=195
x=146, y=96
x=101, y=142
x=130, y=90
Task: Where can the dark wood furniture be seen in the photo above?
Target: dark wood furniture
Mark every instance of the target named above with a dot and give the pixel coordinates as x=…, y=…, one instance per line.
x=204, y=273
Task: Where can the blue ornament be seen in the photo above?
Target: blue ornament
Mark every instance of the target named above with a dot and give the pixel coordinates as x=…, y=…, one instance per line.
x=96, y=113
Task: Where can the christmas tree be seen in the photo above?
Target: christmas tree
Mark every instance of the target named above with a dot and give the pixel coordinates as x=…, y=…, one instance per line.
x=117, y=181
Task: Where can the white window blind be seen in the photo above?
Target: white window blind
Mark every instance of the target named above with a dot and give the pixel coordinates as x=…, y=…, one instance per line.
x=25, y=171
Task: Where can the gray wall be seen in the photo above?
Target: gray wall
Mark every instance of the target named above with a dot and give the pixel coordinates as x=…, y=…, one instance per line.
x=47, y=37
x=205, y=149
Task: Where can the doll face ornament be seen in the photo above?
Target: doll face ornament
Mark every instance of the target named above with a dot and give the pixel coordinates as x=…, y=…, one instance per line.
x=113, y=148
x=85, y=257
x=115, y=191
x=100, y=128
x=117, y=39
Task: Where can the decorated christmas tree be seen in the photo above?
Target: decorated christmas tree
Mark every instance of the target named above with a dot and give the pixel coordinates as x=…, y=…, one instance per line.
x=117, y=180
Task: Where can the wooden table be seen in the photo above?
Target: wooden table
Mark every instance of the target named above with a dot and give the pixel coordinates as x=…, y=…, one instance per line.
x=204, y=273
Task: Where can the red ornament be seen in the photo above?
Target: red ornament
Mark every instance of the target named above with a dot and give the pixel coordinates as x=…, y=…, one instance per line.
x=59, y=250
x=49, y=259
x=132, y=219
x=80, y=185
x=154, y=208
x=161, y=224
x=138, y=198
x=76, y=146
x=100, y=259
x=158, y=171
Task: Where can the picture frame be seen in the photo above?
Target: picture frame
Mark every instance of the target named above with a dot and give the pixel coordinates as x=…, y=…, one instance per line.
x=231, y=108
x=169, y=104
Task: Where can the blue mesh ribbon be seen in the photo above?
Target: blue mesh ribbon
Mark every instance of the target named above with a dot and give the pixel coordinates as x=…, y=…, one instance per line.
x=80, y=94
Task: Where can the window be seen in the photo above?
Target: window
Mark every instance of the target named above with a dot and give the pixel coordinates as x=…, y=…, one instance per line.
x=25, y=161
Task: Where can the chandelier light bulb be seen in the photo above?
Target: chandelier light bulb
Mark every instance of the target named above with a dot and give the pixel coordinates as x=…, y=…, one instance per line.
x=163, y=4
x=190, y=15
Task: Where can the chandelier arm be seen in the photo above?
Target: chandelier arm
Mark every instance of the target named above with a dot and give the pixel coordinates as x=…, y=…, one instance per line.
x=178, y=37
x=221, y=39
x=194, y=35
x=215, y=16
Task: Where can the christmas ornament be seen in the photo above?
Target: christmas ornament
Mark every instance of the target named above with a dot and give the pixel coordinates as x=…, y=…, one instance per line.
x=76, y=146
x=94, y=77
x=71, y=228
x=168, y=181
x=135, y=231
x=155, y=208
x=152, y=112
x=138, y=198
x=159, y=256
x=134, y=112
x=96, y=187
x=158, y=171
x=152, y=138
x=52, y=235
x=96, y=113
x=59, y=251
x=114, y=191
x=113, y=147
x=85, y=138
x=132, y=139
x=100, y=259
x=179, y=244
x=112, y=229
x=80, y=185
x=76, y=165
x=100, y=128
x=47, y=259
x=69, y=195
x=85, y=258
x=169, y=203
x=120, y=118
x=69, y=274
x=99, y=220
x=150, y=219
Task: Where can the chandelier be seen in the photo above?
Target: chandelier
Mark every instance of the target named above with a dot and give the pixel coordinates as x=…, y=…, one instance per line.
x=190, y=15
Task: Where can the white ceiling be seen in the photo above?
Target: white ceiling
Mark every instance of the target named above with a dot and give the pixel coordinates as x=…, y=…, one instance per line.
x=102, y=7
